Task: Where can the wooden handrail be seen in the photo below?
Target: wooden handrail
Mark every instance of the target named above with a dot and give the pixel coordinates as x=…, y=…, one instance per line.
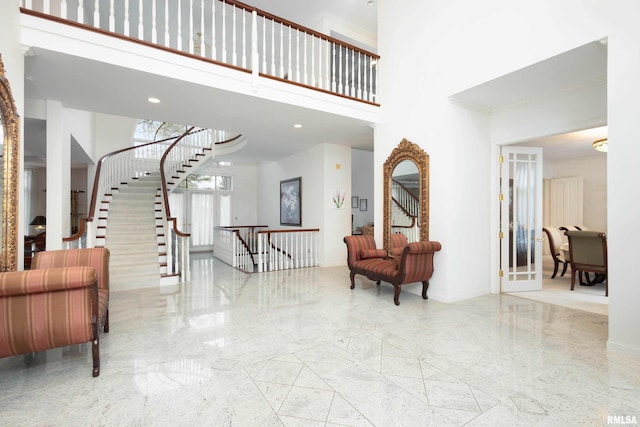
x=287, y=231
x=198, y=57
x=246, y=246
x=96, y=185
x=399, y=205
x=299, y=27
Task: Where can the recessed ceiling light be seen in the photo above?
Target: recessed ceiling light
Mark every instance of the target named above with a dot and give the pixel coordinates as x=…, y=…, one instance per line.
x=297, y=126
x=153, y=100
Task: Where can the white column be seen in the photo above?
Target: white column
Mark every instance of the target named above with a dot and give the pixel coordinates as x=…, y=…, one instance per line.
x=58, y=176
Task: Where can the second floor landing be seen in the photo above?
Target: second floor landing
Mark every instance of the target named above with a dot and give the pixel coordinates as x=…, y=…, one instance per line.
x=260, y=90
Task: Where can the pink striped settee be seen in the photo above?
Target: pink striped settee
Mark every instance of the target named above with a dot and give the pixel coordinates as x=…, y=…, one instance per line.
x=407, y=263
x=63, y=300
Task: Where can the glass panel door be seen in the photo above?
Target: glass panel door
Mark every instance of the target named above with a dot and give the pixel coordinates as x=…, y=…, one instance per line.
x=521, y=219
x=198, y=212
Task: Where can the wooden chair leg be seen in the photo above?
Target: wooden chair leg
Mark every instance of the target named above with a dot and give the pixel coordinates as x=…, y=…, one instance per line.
x=106, y=322
x=425, y=287
x=96, y=357
x=555, y=268
x=564, y=269
x=396, y=294
x=352, y=275
x=573, y=278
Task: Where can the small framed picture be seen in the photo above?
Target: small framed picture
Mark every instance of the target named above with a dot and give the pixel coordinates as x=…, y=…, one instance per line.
x=363, y=204
x=354, y=202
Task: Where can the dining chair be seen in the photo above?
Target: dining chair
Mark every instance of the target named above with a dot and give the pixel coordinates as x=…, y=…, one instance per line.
x=554, y=236
x=588, y=254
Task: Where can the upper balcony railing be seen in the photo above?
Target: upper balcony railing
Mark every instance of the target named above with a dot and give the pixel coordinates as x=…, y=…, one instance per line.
x=229, y=33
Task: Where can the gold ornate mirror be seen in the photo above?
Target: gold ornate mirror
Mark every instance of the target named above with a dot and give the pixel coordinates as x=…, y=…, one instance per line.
x=406, y=193
x=9, y=126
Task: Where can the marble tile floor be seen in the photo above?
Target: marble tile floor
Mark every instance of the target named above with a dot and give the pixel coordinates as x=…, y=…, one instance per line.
x=558, y=291
x=299, y=348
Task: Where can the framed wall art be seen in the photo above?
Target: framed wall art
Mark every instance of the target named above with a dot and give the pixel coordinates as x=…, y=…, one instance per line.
x=290, y=202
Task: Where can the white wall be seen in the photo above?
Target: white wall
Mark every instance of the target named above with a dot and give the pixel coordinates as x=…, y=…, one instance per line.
x=362, y=186
x=323, y=169
x=466, y=43
x=244, y=201
x=593, y=171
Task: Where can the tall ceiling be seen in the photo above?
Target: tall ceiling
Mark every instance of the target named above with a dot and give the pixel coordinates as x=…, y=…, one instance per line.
x=97, y=86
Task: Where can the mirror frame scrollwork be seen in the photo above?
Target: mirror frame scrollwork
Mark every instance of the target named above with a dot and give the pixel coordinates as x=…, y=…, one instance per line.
x=9, y=219
x=407, y=150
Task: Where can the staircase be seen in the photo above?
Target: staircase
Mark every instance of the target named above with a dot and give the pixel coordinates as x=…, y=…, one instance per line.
x=128, y=229
x=130, y=213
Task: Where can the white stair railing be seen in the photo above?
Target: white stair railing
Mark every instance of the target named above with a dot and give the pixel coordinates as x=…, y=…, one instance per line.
x=286, y=249
x=255, y=248
x=114, y=170
x=231, y=33
x=176, y=163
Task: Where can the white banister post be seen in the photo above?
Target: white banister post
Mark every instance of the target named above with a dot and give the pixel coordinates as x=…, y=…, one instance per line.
x=244, y=38
x=140, y=21
x=63, y=9
x=255, y=60
x=213, y=30
x=260, y=259
x=126, y=17
x=306, y=72
x=333, y=68
x=167, y=38
x=112, y=17
x=186, y=263
x=167, y=243
x=96, y=14
x=179, y=35
x=46, y=7
x=80, y=12
x=273, y=48
x=289, y=72
x=203, y=52
x=234, y=251
x=281, y=71
x=297, y=55
x=234, y=50
x=191, y=32
x=154, y=27
x=313, y=56
x=224, y=33
x=264, y=45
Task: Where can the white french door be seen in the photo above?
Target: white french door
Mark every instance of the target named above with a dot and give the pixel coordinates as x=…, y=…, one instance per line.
x=521, y=219
x=198, y=212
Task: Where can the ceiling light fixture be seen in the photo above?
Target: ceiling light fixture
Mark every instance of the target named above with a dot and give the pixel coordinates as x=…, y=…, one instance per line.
x=153, y=100
x=297, y=126
x=370, y=3
x=600, y=145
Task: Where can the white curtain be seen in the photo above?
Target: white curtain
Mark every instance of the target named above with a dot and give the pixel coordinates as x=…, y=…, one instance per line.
x=203, y=216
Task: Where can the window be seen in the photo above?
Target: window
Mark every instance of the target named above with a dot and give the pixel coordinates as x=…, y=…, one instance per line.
x=152, y=130
x=207, y=182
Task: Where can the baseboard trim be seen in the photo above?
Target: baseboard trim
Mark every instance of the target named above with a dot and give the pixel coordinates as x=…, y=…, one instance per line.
x=623, y=348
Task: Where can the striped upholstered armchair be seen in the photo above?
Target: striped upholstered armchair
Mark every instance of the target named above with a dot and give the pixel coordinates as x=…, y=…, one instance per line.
x=63, y=300
x=410, y=263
